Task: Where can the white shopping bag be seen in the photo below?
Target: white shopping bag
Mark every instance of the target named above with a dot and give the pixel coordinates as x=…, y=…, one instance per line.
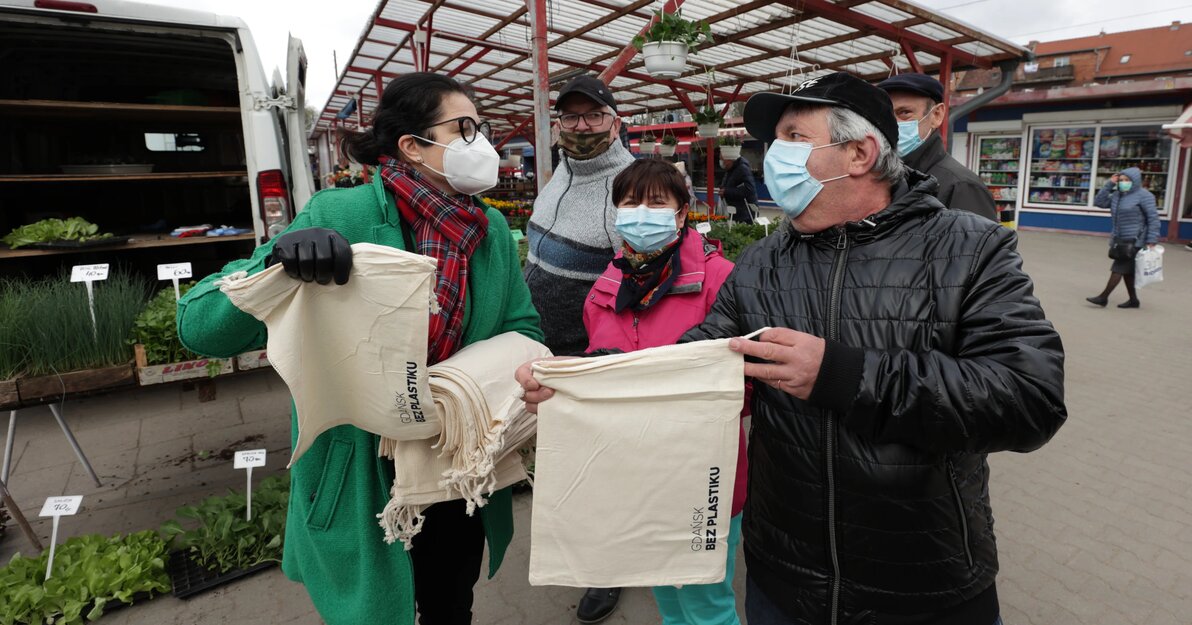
x=635, y=468
x=1148, y=266
x=353, y=353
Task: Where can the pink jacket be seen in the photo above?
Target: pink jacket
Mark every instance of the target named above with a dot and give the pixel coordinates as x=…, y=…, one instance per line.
x=704, y=269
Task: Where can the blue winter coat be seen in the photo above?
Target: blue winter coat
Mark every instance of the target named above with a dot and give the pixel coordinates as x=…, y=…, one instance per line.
x=1135, y=217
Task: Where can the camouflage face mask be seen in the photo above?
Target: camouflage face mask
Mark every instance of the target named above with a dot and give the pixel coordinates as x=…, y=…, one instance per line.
x=584, y=145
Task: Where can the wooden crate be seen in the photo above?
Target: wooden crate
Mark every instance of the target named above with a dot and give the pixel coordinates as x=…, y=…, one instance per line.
x=177, y=371
x=51, y=387
x=252, y=360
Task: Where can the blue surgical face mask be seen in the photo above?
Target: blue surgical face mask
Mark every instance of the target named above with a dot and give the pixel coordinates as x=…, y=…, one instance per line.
x=647, y=229
x=1125, y=185
x=908, y=134
x=790, y=184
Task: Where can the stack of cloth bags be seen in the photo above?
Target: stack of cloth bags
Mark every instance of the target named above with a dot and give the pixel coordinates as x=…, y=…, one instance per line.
x=484, y=425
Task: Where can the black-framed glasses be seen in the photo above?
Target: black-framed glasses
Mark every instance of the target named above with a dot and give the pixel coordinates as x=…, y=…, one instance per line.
x=594, y=119
x=468, y=128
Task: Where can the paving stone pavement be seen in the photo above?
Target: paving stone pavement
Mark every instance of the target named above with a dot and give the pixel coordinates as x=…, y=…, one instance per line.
x=1094, y=528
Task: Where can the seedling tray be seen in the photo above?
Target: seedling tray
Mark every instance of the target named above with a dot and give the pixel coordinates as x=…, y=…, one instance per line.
x=191, y=578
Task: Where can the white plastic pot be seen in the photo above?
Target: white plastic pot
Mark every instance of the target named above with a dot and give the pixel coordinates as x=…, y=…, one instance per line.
x=730, y=152
x=646, y=147
x=665, y=59
x=666, y=150
x=709, y=131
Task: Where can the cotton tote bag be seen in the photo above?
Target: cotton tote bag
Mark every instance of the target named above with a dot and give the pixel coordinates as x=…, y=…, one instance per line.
x=636, y=463
x=352, y=353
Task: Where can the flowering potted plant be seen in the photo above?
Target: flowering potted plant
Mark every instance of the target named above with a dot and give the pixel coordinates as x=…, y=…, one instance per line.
x=668, y=146
x=646, y=143
x=730, y=147
x=667, y=43
x=708, y=121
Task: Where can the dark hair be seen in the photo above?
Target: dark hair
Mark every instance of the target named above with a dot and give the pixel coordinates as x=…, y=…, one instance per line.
x=648, y=175
x=409, y=105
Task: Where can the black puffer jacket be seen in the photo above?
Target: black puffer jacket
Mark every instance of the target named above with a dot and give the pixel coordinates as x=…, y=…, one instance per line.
x=873, y=495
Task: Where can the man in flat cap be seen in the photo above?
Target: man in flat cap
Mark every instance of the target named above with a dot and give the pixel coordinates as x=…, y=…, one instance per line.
x=919, y=107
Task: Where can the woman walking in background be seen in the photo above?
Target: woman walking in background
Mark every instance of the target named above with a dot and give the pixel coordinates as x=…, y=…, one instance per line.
x=1135, y=223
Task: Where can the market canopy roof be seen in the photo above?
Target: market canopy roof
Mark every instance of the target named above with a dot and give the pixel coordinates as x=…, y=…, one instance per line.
x=758, y=46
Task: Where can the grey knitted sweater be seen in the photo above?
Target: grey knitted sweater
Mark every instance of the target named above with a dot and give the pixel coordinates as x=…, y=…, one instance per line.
x=572, y=238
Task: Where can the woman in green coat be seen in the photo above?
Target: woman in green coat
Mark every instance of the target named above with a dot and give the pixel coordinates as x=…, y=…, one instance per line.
x=433, y=157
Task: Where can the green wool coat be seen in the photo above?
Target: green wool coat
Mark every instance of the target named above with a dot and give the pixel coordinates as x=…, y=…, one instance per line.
x=334, y=544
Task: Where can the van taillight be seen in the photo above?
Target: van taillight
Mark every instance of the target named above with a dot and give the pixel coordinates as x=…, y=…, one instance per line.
x=274, y=201
x=65, y=5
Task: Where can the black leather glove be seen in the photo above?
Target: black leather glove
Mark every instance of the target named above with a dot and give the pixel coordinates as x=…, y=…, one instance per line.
x=313, y=255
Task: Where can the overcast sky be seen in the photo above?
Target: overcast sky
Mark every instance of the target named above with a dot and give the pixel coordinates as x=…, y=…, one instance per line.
x=325, y=26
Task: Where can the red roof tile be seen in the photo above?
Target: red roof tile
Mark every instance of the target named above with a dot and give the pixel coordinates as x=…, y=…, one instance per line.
x=1157, y=50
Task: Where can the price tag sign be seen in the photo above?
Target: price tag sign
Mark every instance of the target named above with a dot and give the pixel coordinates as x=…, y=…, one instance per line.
x=89, y=273
x=250, y=459
x=174, y=272
x=247, y=460
x=703, y=227
x=58, y=507
x=61, y=506
x=518, y=235
x=765, y=221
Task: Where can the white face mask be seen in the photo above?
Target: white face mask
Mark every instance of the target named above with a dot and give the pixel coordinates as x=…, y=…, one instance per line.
x=469, y=168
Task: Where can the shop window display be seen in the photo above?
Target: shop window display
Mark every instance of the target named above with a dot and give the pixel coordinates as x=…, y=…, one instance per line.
x=1146, y=147
x=1061, y=166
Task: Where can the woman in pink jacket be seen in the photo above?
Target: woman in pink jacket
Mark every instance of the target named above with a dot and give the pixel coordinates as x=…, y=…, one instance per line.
x=661, y=284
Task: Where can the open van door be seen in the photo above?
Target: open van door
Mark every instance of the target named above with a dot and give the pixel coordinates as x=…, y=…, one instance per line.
x=293, y=121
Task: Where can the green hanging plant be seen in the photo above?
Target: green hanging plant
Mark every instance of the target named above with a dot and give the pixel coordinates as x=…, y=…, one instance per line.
x=707, y=115
x=672, y=27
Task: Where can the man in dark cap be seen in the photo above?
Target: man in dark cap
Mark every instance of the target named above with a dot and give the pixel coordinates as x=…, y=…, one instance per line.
x=920, y=109
x=572, y=237
x=906, y=344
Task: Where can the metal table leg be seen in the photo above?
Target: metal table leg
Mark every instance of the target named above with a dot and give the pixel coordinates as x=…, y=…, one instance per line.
x=57, y=410
x=12, y=433
x=15, y=512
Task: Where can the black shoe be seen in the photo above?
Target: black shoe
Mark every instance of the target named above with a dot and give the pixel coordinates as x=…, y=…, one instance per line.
x=1130, y=303
x=597, y=604
x=1097, y=301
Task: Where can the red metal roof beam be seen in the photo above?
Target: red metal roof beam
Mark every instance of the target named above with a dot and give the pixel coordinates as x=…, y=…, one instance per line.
x=909, y=53
x=685, y=100
x=618, y=64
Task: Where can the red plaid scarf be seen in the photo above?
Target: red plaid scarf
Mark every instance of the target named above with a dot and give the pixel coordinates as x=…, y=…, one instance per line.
x=447, y=228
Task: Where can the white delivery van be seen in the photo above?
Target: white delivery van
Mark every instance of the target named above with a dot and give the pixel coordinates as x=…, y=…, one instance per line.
x=143, y=120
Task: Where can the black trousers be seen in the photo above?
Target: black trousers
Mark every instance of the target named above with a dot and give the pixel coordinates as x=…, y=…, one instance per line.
x=446, y=557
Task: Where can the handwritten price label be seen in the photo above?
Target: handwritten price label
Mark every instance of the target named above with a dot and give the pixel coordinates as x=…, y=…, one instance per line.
x=61, y=506
x=89, y=273
x=250, y=458
x=703, y=227
x=174, y=271
x=764, y=221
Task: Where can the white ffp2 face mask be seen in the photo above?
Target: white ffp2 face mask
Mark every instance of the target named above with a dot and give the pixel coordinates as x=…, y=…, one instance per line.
x=469, y=168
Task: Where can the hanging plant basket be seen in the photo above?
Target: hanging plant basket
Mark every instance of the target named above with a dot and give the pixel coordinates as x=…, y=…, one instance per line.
x=665, y=59
x=666, y=150
x=709, y=131
x=646, y=147
x=730, y=152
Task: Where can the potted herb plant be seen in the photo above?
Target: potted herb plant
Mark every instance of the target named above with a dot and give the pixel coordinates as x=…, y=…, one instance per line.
x=708, y=120
x=668, y=146
x=730, y=147
x=157, y=350
x=667, y=43
x=646, y=143
x=91, y=573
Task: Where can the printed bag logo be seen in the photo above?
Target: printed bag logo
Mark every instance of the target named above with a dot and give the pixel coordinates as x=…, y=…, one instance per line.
x=704, y=518
x=409, y=408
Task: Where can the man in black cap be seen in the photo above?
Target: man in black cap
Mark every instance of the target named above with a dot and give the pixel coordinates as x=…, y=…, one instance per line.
x=920, y=109
x=906, y=344
x=572, y=237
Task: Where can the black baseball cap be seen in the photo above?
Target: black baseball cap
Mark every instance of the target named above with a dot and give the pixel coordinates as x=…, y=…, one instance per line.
x=589, y=86
x=920, y=84
x=842, y=89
